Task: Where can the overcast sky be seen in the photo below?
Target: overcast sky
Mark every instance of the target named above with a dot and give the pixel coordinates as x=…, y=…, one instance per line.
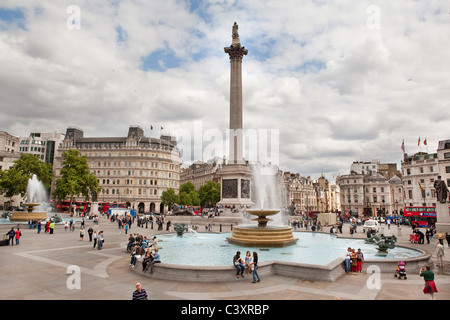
x=339, y=81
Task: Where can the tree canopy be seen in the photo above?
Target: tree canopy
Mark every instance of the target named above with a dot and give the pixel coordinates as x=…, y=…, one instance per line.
x=207, y=195
x=14, y=181
x=76, y=179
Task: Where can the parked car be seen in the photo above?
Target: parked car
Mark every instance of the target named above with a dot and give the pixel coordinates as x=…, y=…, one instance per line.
x=371, y=225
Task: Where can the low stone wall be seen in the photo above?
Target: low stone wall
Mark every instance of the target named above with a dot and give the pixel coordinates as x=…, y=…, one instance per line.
x=329, y=272
x=165, y=271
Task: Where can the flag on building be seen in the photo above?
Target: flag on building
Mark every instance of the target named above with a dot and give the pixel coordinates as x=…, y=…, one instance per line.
x=151, y=127
x=425, y=141
x=418, y=142
x=420, y=186
x=403, y=146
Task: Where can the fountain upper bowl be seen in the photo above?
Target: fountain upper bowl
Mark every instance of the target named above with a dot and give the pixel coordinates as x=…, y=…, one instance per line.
x=262, y=212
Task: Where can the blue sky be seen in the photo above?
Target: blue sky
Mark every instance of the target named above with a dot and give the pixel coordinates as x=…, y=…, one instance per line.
x=12, y=17
x=342, y=81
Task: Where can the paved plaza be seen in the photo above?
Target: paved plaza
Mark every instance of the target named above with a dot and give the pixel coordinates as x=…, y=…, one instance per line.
x=40, y=268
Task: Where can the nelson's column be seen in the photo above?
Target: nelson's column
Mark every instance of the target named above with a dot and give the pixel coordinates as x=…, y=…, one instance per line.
x=236, y=174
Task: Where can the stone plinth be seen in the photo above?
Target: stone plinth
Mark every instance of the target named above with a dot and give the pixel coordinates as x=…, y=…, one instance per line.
x=443, y=217
x=235, y=185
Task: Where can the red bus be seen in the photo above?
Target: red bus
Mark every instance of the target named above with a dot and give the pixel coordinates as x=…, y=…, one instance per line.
x=104, y=206
x=422, y=216
x=85, y=206
x=81, y=206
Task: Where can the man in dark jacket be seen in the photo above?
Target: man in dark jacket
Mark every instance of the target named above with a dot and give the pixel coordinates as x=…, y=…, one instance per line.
x=11, y=233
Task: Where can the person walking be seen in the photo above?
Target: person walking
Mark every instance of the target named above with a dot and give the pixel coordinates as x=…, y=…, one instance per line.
x=440, y=254
x=100, y=240
x=428, y=276
x=90, y=231
x=11, y=233
x=39, y=227
x=428, y=235
x=441, y=237
x=255, y=268
x=139, y=293
x=447, y=237
x=52, y=226
x=94, y=236
x=81, y=233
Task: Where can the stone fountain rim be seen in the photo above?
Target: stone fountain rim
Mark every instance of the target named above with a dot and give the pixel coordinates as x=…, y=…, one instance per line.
x=262, y=212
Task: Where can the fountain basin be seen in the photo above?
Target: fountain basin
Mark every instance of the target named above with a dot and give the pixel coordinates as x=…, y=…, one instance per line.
x=207, y=257
x=252, y=236
x=29, y=214
x=262, y=235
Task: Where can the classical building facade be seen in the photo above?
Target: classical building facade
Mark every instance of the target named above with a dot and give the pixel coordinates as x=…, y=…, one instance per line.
x=8, y=154
x=200, y=172
x=370, y=194
x=300, y=192
x=134, y=169
x=419, y=172
x=443, y=154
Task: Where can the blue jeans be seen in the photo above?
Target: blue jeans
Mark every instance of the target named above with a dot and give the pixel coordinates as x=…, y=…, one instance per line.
x=255, y=274
x=239, y=269
x=347, y=265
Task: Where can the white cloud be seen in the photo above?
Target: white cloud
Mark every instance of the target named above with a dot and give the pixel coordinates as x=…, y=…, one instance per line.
x=337, y=90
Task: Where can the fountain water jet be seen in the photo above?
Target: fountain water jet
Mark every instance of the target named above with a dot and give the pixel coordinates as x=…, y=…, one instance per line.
x=262, y=235
x=36, y=198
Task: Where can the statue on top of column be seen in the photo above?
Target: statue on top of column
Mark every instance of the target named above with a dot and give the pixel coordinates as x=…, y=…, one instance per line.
x=235, y=33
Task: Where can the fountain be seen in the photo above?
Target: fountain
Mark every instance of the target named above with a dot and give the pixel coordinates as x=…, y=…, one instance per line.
x=261, y=235
x=36, y=197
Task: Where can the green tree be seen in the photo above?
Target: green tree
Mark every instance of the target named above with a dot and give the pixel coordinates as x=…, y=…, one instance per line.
x=209, y=193
x=76, y=179
x=168, y=198
x=14, y=181
x=188, y=196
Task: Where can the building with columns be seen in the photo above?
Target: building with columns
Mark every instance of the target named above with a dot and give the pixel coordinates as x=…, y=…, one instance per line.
x=134, y=169
x=8, y=154
x=370, y=194
x=300, y=191
x=200, y=173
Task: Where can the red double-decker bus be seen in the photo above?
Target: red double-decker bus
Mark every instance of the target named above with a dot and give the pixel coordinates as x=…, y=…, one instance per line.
x=78, y=206
x=422, y=216
x=84, y=207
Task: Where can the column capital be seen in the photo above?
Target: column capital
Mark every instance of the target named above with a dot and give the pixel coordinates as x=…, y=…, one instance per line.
x=236, y=52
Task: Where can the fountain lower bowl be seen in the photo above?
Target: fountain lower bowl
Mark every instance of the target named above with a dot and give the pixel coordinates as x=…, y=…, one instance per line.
x=23, y=216
x=253, y=236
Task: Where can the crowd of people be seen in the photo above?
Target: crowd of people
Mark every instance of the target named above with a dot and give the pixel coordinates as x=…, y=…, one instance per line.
x=353, y=260
x=248, y=264
x=143, y=250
